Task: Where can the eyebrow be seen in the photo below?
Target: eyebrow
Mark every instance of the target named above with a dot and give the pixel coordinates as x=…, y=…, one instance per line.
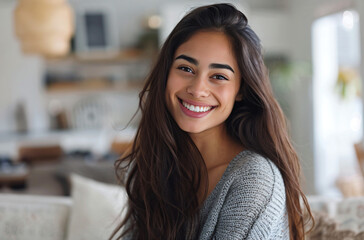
x=212, y=65
x=219, y=65
x=188, y=59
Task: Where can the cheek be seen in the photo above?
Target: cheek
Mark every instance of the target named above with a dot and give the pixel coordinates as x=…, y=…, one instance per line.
x=228, y=96
x=171, y=89
x=174, y=84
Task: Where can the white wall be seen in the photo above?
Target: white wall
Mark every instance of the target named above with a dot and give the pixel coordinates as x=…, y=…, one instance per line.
x=172, y=12
x=360, y=9
x=272, y=27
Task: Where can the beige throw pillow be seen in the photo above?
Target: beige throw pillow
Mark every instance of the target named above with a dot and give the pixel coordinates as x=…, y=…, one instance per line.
x=96, y=209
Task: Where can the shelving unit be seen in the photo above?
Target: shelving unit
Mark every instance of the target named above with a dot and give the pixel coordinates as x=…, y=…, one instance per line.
x=73, y=73
x=94, y=92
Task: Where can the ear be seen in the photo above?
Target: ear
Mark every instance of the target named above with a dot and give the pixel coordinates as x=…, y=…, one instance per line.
x=239, y=97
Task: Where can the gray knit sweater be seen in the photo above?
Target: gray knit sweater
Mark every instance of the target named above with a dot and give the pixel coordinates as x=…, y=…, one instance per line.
x=249, y=202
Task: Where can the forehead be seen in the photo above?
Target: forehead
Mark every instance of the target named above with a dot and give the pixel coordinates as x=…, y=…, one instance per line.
x=211, y=46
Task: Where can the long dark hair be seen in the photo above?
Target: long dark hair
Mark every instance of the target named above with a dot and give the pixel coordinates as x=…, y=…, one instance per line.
x=165, y=168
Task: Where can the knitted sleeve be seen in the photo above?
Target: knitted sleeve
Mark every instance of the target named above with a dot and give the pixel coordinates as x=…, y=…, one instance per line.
x=254, y=206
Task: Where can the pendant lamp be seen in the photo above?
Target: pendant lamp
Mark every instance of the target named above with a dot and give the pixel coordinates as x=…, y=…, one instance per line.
x=44, y=27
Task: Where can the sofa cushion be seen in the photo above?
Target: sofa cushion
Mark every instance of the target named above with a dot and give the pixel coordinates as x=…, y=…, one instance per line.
x=97, y=209
x=350, y=214
x=26, y=217
x=337, y=219
x=324, y=204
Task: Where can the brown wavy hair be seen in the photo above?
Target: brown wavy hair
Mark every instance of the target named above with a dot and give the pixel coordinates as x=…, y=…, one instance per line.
x=165, y=168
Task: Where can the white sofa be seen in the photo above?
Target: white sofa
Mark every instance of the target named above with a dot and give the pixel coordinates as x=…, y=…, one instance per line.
x=91, y=213
x=94, y=210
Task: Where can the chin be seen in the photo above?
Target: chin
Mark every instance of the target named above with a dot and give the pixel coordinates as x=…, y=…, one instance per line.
x=192, y=129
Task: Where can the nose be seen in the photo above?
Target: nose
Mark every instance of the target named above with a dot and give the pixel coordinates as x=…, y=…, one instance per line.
x=198, y=87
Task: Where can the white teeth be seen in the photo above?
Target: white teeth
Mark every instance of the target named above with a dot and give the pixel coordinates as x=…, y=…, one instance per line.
x=195, y=108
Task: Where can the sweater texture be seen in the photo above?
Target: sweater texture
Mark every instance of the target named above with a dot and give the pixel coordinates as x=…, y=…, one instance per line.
x=249, y=202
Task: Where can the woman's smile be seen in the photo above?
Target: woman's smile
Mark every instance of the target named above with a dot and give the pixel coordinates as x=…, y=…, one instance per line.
x=195, y=110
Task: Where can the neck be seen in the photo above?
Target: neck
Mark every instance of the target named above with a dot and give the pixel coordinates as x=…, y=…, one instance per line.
x=216, y=147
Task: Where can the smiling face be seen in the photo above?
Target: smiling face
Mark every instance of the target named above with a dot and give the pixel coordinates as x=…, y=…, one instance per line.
x=203, y=82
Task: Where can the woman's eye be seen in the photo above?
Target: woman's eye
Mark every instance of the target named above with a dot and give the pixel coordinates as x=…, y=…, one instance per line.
x=219, y=77
x=186, y=69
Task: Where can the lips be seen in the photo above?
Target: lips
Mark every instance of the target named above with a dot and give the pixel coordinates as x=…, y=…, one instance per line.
x=195, y=110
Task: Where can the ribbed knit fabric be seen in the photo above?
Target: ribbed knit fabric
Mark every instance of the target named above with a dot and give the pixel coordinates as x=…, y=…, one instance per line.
x=248, y=202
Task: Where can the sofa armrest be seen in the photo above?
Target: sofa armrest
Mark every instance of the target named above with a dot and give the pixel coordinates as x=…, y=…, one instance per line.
x=29, y=217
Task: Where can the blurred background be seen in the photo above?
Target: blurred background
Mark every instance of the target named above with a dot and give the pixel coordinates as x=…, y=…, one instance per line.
x=71, y=71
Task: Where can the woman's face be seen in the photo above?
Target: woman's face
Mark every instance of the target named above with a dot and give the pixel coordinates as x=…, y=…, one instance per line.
x=203, y=82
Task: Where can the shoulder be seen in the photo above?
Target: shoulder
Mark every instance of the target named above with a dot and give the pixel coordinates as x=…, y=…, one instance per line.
x=249, y=202
x=254, y=177
x=255, y=199
x=251, y=169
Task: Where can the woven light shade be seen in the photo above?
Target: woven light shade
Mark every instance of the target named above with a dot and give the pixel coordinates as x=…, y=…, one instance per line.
x=44, y=27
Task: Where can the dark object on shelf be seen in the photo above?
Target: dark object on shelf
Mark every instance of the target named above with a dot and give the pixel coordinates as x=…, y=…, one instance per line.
x=20, y=118
x=96, y=32
x=13, y=174
x=80, y=154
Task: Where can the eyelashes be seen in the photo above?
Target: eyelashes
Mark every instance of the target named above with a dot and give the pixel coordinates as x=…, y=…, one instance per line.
x=185, y=69
x=190, y=70
x=219, y=77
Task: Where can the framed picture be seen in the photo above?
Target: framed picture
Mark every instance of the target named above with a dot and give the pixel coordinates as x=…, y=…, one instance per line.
x=96, y=31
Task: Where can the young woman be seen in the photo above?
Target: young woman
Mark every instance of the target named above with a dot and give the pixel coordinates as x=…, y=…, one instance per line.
x=211, y=158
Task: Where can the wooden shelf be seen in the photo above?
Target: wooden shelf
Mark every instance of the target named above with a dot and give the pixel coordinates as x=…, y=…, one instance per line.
x=124, y=71
x=91, y=86
x=126, y=56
